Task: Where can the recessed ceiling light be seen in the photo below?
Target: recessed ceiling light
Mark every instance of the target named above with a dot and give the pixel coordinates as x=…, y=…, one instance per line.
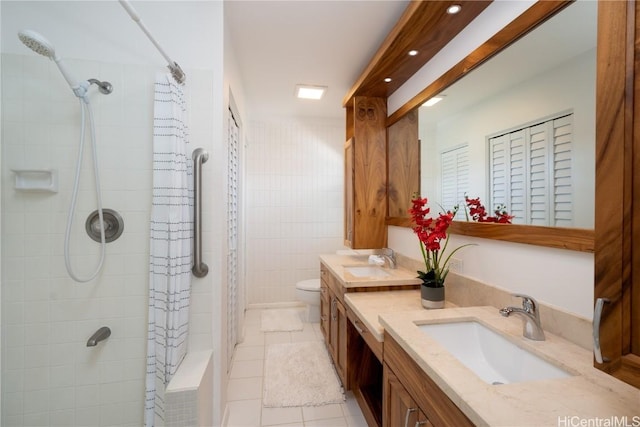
x=310, y=92
x=413, y=52
x=388, y=79
x=433, y=101
x=453, y=9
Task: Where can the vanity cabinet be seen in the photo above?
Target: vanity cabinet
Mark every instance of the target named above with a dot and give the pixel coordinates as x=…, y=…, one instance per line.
x=401, y=409
x=408, y=387
x=333, y=322
x=365, y=174
x=338, y=337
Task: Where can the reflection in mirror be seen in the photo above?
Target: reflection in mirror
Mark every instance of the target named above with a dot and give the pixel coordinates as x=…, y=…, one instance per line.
x=519, y=130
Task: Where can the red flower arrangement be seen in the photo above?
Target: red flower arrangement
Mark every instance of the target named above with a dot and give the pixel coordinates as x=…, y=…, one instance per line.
x=431, y=234
x=479, y=212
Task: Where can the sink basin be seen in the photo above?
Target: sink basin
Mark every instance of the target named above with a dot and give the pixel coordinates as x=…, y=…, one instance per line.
x=366, y=271
x=495, y=359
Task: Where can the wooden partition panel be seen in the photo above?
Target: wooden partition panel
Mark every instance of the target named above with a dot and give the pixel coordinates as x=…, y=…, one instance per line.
x=403, y=153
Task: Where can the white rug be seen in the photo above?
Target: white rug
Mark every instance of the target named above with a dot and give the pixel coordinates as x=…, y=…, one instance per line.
x=300, y=374
x=281, y=319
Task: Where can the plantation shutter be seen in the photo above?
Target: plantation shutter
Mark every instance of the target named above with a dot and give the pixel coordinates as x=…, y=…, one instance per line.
x=517, y=167
x=454, y=175
x=562, y=180
x=538, y=175
x=530, y=173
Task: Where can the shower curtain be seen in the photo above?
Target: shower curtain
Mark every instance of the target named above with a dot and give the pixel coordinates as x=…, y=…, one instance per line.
x=171, y=244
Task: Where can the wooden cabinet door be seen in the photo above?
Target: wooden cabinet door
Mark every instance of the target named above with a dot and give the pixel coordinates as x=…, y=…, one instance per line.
x=369, y=178
x=617, y=214
x=423, y=421
x=404, y=165
x=399, y=408
x=440, y=410
x=348, y=192
x=324, y=310
x=333, y=328
x=341, y=360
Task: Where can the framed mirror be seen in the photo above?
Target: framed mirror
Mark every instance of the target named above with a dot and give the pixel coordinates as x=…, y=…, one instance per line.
x=483, y=138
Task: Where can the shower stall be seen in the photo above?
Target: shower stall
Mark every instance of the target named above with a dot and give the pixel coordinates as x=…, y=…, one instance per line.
x=59, y=364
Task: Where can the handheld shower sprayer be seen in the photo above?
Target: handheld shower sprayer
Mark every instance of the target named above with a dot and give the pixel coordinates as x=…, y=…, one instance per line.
x=40, y=45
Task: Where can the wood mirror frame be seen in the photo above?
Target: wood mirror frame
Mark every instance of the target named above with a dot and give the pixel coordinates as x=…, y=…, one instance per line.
x=577, y=239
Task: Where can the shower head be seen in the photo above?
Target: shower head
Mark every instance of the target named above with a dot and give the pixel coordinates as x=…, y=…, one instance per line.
x=39, y=44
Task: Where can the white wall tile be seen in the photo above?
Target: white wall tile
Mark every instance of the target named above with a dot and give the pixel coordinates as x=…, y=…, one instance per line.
x=294, y=181
x=47, y=317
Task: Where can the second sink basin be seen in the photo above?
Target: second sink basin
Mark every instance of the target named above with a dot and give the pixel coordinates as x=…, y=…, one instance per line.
x=366, y=271
x=495, y=359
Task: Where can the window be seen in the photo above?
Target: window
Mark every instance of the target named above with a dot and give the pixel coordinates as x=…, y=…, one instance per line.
x=530, y=172
x=455, y=176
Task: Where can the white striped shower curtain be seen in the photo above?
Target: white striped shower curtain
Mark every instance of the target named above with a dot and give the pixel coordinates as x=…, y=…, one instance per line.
x=171, y=245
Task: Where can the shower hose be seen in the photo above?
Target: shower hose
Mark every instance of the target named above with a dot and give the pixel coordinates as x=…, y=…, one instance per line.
x=85, y=108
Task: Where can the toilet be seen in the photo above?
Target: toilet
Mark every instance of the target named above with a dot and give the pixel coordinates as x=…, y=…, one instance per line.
x=308, y=292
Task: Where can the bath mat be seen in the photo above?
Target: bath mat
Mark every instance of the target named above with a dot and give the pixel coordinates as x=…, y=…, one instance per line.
x=285, y=319
x=300, y=374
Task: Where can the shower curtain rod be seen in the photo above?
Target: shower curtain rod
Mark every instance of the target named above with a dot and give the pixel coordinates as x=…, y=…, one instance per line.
x=173, y=66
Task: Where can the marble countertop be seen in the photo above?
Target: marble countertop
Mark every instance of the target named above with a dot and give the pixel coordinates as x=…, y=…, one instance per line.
x=369, y=305
x=337, y=263
x=588, y=396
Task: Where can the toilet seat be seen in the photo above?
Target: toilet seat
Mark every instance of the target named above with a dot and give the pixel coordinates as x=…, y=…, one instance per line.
x=310, y=285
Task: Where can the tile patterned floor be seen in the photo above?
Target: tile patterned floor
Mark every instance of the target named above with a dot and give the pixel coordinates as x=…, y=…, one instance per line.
x=244, y=392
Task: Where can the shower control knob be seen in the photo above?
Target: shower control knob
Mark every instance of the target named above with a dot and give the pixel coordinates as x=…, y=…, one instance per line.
x=113, y=225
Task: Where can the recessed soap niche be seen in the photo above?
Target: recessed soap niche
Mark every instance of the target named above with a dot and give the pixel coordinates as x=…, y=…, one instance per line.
x=36, y=180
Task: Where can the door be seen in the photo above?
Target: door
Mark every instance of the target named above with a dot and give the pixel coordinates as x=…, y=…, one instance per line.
x=233, y=182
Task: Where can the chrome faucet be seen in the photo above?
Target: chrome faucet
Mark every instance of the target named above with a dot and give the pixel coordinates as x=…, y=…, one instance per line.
x=389, y=255
x=99, y=335
x=531, y=326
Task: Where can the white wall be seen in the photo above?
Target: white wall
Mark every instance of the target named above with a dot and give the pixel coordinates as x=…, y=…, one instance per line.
x=49, y=317
x=1, y=312
x=49, y=376
x=294, y=203
x=232, y=95
x=557, y=277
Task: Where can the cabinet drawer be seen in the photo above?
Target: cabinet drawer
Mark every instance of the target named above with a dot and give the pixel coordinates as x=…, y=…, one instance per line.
x=437, y=406
x=372, y=342
x=332, y=283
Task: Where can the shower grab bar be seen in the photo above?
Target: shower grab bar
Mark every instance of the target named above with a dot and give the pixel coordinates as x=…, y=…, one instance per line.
x=173, y=66
x=200, y=269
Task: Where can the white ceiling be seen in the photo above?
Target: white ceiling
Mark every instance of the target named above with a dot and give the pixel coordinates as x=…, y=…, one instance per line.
x=279, y=44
